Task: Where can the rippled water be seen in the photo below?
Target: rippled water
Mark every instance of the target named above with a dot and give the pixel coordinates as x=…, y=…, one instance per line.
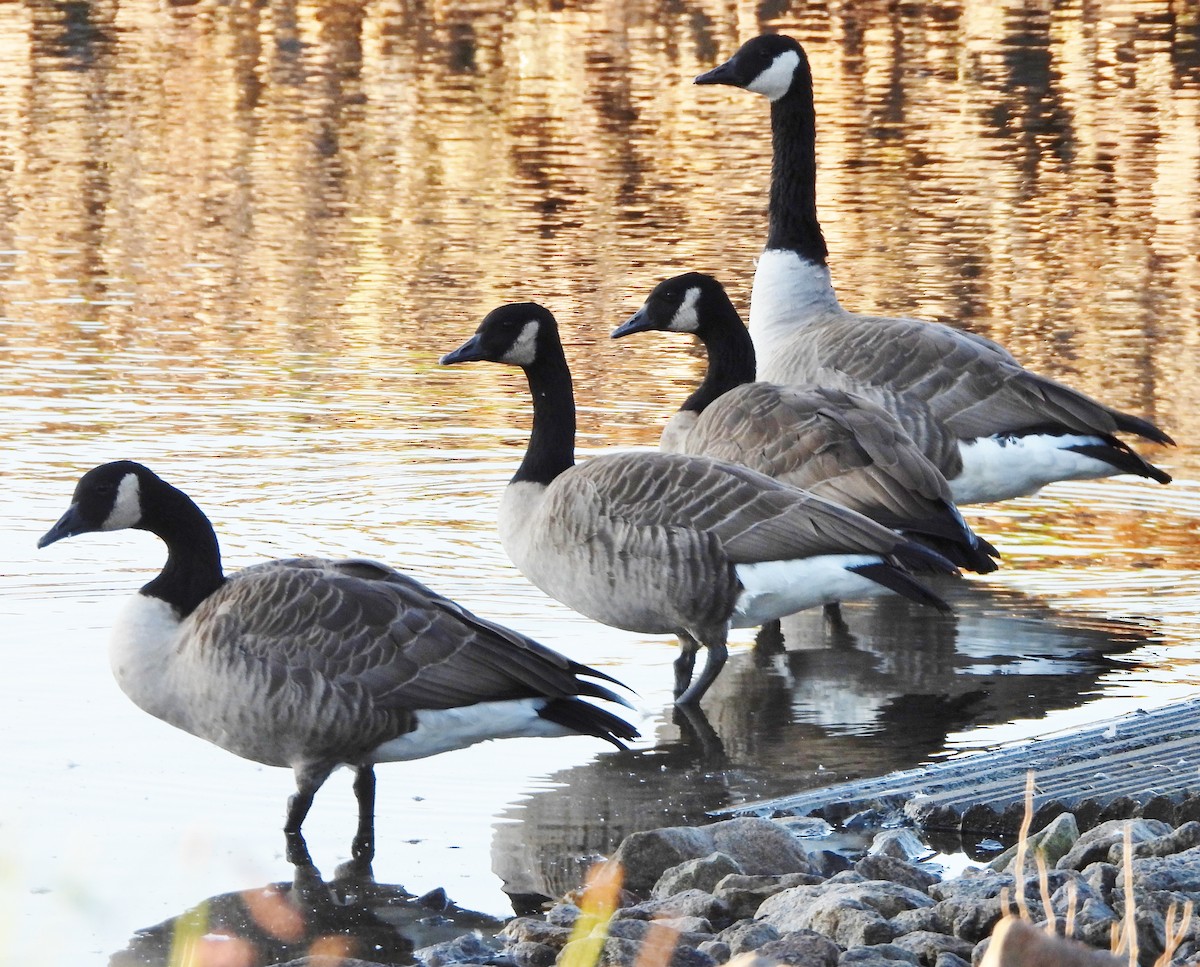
x=235, y=238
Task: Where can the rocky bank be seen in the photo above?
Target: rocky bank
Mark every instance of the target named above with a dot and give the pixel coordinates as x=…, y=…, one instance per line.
x=702, y=896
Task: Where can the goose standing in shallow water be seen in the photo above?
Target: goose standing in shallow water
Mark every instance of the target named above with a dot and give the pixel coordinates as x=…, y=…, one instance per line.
x=1017, y=431
x=837, y=445
x=661, y=543
x=313, y=663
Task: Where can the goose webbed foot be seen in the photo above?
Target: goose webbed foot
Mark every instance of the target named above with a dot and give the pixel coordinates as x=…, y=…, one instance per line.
x=768, y=642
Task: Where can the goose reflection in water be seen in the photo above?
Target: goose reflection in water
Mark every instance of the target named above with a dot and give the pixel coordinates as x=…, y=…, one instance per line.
x=888, y=695
x=350, y=916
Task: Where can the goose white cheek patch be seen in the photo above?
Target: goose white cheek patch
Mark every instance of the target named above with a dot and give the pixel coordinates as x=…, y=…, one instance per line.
x=774, y=82
x=685, y=318
x=524, y=347
x=127, y=508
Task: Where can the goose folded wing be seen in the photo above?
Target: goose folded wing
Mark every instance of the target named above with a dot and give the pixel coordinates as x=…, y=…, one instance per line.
x=363, y=629
x=753, y=517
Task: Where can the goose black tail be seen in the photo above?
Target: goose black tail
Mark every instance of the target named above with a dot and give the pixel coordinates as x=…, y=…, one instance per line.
x=978, y=555
x=1121, y=456
x=579, y=716
x=1143, y=428
x=896, y=572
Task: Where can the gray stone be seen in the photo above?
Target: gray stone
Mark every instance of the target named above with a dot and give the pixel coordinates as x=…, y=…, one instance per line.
x=853, y=913
x=923, y=918
x=699, y=874
x=467, y=949
x=682, y=929
x=758, y=846
x=1094, y=845
x=718, y=950
x=951, y=960
x=902, y=844
x=690, y=903
x=535, y=930
x=527, y=953
x=881, y=867
x=644, y=856
x=801, y=948
x=1179, y=840
x=746, y=935
x=928, y=945
x=1052, y=843
x=745, y=894
x=880, y=955
x=563, y=914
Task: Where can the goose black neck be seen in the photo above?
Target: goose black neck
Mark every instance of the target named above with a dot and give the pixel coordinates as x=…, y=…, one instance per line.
x=731, y=359
x=793, y=203
x=551, y=447
x=193, y=569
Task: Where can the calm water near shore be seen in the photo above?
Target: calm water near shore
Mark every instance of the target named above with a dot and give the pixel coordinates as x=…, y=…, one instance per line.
x=236, y=237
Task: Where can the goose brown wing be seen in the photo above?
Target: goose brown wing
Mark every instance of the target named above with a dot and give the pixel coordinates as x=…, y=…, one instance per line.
x=751, y=516
x=970, y=383
x=361, y=631
x=839, y=446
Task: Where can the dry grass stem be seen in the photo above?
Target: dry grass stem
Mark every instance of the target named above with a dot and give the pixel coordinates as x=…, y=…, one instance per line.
x=600, y=894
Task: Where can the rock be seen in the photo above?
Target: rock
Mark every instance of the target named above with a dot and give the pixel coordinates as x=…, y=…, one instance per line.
x=1052, y=843
x=690, y=903
x=850, y=913
x=679, y=928
x=881, y=955
x=928, y=945
x=718, y=950
x=535, y=930
x=877, y=866
x=1094, y=845
x=527, y=953
x=563, y=914
x=467, y=949
x=747, y=935
x=902, y=844
x=827, y=863
x=758, y=846
x=951, y=960
x=699, y=874
x=745, y=894
x=922, y=918
x=801, y=948
x=1178, y=840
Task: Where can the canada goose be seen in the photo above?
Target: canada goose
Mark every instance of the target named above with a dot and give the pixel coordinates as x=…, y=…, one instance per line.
x=314, y=663
x=838, y=445
x=1017, y=431
x=661, y=543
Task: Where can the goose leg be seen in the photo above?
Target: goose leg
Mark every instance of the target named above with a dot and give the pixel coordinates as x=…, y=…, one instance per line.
x=833, y=618
x=717, y=653
x=363, y=847
x=309, y=778
x=688, y=646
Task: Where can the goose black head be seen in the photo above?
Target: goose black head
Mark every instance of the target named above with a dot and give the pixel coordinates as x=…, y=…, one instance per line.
x=771, y=64
x=512, y=334
x=107, y=498
x=684, y=303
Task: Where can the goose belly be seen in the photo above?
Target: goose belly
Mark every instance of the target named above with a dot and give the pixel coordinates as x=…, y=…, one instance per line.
x=776, y=588
x=443, y=730
x=1001, y=467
